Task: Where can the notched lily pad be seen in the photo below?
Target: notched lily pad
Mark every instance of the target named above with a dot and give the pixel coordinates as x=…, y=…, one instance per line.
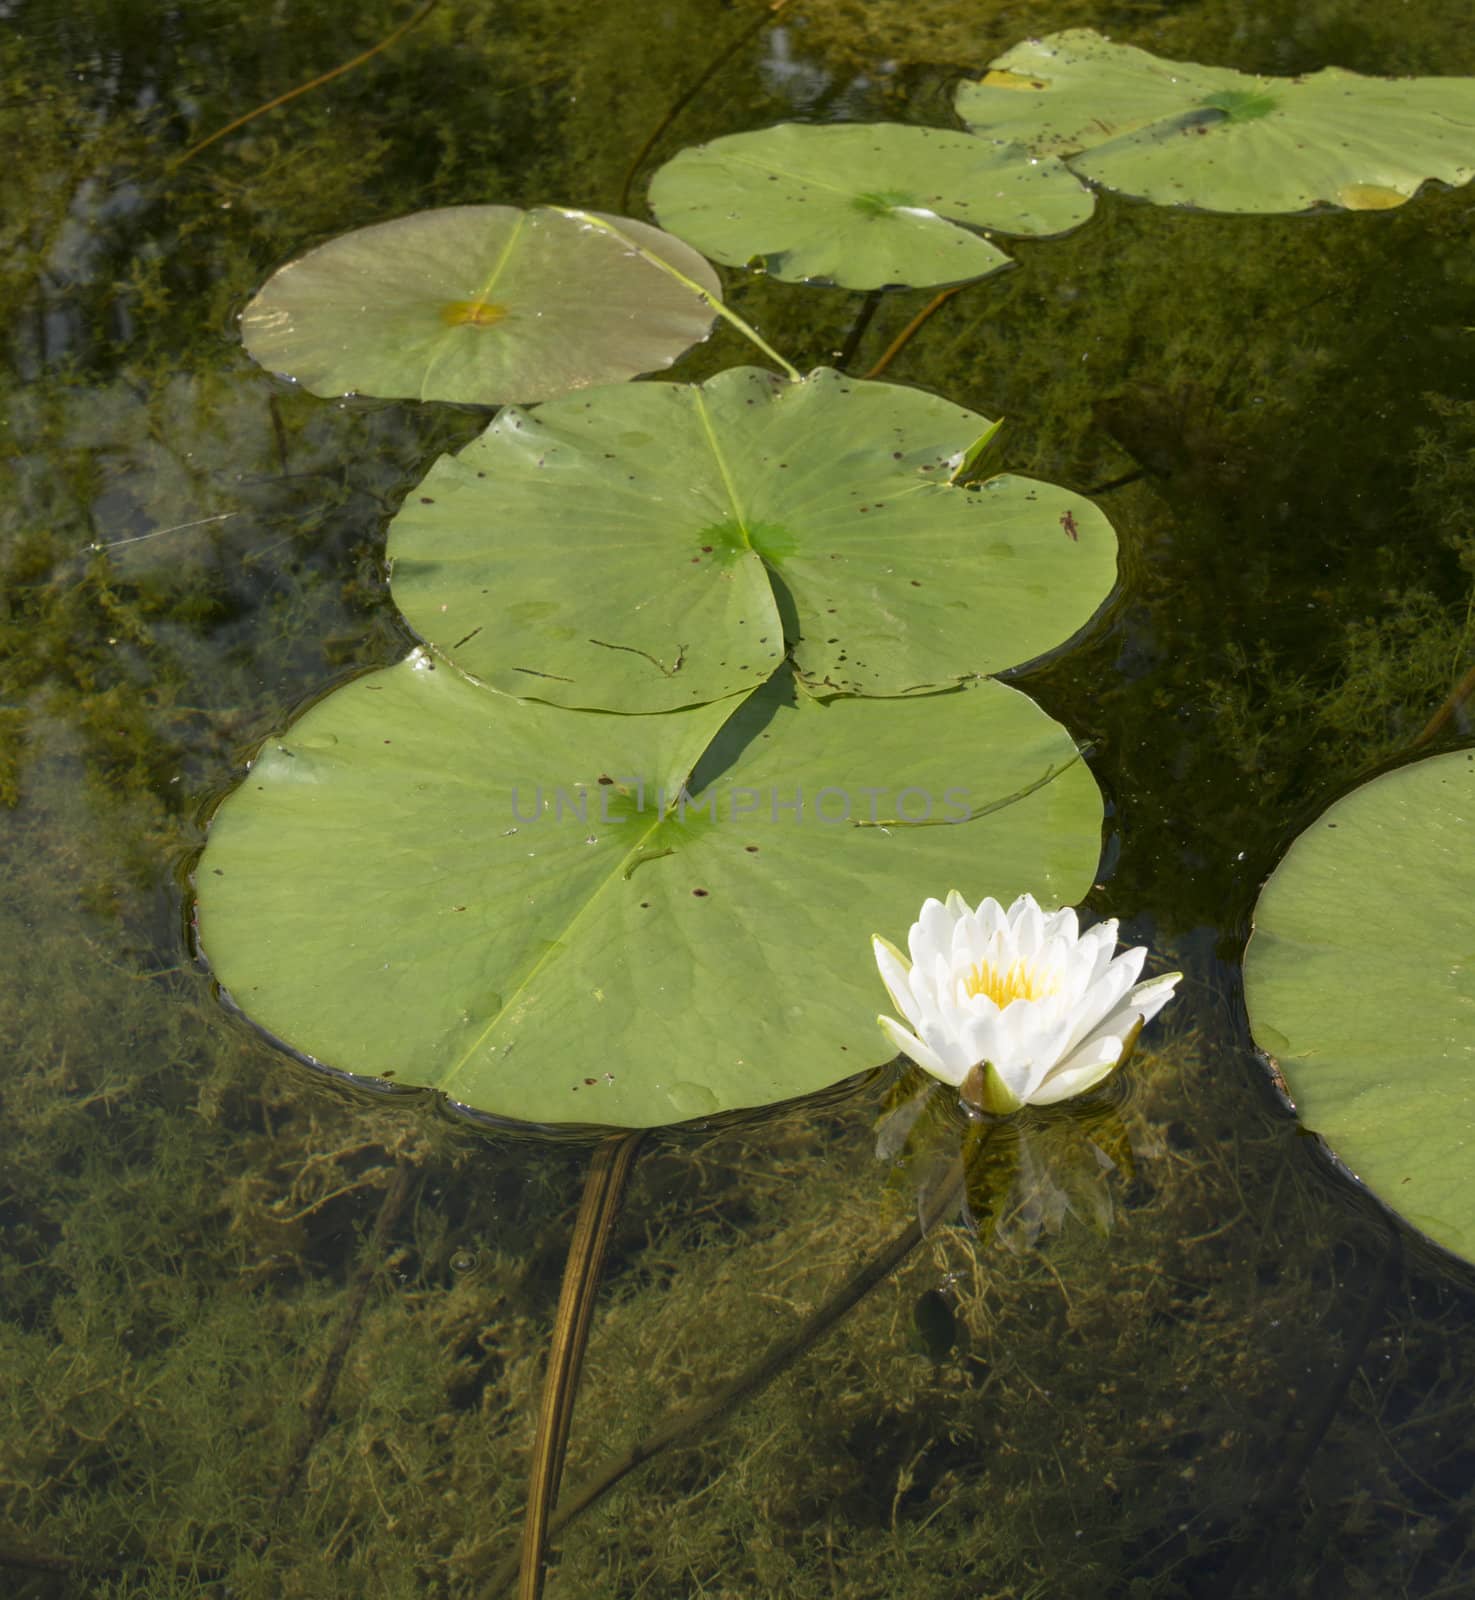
x=482, y=304
x=1177, y=133
x=1360, y=981
x=660, y=546
x=428, y=882
x=862, y=206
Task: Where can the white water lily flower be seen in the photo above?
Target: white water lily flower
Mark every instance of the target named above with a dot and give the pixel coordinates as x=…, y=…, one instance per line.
x=1016, y=1007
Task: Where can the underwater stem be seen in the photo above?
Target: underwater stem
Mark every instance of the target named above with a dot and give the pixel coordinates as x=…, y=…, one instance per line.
x=609, y=1171
x=691, y=1419
x=858, y=328
x=35, y=1561
x=316, y=1404
x=904, y=338
x=683, y=100
x=1445, y=714
x=709, y=300
x=302, y=88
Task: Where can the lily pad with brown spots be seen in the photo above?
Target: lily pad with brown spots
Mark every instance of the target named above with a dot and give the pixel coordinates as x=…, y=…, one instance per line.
x=1177, y=133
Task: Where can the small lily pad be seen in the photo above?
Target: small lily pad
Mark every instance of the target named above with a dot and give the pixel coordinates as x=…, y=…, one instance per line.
x=862, y=206
x=1177, y=133
x=482, y=304
x=655, y=547
x=1360, y=982
x=429, y=882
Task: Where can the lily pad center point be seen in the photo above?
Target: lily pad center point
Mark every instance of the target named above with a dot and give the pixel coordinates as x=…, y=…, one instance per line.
x=768, y=540
x=1240, y=105
x=471, y=313
x=883, y=204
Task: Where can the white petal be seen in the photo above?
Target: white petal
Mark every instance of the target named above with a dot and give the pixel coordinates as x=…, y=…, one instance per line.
x=989, y=919
x=1011, y=1047
x=909, y=1045
x=1147, y=999
x=1045, y=1014
x=1144, y=1002
x=956, y=904
x=1054, y=962
x=1049, y=1049
x=943, y=1035
x=970, y=946
x=896, y=975
x=1104, y=934
x=925, y=998
x=1103, y=1003
x=964, y=941
x=970, y=1006
x=1130, y=961
x=986, y=1037
x=1085, y=1069
x=933, y=982
x=1027, y=923
x=1093, y=957
x=1094, y=1057
x=931, y=933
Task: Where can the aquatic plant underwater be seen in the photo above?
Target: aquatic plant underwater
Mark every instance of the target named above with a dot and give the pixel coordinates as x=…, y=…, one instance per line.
x=705, y=692
x=582, y=574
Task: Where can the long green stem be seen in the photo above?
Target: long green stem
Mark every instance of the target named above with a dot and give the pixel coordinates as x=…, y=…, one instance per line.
x=1446, y=713
x=904, y=338
x=692, y=1419
x=302, y=88
x=713, y=67
x=707, y=298
x=609, y=1171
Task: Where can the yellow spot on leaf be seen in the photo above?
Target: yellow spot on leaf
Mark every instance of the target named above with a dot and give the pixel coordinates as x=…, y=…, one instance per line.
x=1369, y=197
x=1002, y=78
x=472, y=313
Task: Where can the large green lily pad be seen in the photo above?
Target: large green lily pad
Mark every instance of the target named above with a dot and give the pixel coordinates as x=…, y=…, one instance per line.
x=1180, y=134
x=659, y=546
x=1360, y=981
x=406, y=885
x=479, y=303
x=862, y=205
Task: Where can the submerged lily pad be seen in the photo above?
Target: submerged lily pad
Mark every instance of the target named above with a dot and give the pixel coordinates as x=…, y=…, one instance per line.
x=479, y=303
x=1360, y=981
x=655, y=547
x=862, y=206
x=1180, y=134
x=426, y=881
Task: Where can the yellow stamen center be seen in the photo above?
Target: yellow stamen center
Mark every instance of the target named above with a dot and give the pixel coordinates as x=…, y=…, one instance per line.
x=1018, y=982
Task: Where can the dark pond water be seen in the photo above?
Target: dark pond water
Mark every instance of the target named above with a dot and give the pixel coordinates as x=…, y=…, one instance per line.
x=265, y=1335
